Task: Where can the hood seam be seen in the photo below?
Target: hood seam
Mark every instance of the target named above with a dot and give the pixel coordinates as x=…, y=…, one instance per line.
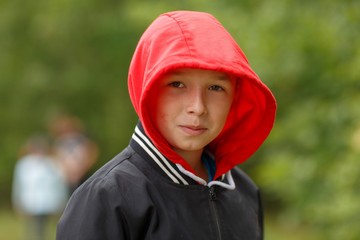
x=182, y=33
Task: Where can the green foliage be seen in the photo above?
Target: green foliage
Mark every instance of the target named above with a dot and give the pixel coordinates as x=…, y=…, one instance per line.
x=73, y=56
x=308, y=53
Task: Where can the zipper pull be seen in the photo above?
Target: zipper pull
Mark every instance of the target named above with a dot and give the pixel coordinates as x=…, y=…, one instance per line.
x=212, y=193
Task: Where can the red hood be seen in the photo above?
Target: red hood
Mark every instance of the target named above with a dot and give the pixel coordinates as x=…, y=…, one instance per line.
x=197, y=40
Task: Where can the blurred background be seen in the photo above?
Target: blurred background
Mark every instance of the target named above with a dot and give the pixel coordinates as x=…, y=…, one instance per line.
x=70, y=58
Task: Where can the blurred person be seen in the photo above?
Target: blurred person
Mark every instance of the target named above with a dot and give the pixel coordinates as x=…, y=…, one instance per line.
x=202, y=110
x=76, y=152
x=39, y=189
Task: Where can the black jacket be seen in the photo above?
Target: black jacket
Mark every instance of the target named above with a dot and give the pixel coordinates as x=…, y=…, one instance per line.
x=141, y=195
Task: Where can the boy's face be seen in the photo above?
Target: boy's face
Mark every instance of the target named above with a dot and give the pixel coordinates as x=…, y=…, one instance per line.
x=192, y=106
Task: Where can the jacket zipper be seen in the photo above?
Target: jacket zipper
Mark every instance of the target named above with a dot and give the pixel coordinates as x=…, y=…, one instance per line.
x=212, y=196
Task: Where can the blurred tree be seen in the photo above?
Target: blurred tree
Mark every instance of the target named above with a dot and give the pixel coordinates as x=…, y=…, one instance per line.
x=309, y=52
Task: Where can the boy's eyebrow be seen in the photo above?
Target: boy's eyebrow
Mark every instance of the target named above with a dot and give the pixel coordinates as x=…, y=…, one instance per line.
x=224, y=77
x=176, y=72
x=220, y=76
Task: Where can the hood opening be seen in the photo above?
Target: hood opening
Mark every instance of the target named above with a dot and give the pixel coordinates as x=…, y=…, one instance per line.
x=186, y=39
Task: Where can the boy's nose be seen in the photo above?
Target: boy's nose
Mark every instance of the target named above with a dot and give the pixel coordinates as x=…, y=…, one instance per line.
x=196, y=103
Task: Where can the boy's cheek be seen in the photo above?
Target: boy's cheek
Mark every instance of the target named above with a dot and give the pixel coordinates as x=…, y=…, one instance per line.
x=162, y=118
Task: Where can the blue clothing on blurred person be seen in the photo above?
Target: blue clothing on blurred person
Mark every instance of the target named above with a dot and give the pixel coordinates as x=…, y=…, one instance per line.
x=38, y=187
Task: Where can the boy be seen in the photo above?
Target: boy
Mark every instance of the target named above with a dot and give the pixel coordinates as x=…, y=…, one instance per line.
x=202, y=111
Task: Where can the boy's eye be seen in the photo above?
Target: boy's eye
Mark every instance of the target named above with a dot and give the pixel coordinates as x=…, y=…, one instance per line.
x=176, y=84
x=216, y=88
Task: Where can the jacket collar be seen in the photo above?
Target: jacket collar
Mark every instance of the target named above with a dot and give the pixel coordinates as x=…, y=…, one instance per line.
x=175, y=172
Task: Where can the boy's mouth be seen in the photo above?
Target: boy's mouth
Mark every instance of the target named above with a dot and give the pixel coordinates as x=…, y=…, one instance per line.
x=193, y=130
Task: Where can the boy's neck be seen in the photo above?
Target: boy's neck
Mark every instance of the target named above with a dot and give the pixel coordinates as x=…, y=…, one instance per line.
x=193, y=158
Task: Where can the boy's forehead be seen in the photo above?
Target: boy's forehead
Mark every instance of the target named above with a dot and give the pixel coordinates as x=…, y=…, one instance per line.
x=194, y=71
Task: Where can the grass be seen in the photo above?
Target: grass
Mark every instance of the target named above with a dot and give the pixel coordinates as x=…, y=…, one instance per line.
x=13, y=226
x=274, y=230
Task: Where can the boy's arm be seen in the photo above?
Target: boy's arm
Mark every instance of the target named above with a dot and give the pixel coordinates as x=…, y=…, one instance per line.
x=91, y=214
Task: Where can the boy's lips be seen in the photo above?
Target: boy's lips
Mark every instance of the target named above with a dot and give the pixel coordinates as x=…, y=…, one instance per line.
x=193, y=130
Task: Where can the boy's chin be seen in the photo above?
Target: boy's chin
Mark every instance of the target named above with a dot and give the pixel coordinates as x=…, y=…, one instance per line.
x=189, y=148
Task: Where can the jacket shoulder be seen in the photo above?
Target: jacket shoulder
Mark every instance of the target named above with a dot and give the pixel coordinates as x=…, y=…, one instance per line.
x=243, y=181
x=97, y=209
x=118, y=173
